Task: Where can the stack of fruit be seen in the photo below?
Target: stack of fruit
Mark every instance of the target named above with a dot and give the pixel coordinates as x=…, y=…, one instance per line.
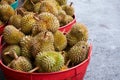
x=34, y=43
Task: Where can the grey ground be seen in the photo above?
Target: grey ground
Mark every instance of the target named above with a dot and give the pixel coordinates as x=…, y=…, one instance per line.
x=102, y=17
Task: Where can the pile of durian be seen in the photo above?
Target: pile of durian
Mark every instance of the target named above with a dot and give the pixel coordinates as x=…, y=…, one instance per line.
x=33, y=41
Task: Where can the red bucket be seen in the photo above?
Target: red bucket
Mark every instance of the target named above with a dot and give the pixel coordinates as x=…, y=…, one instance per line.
x=74, y=73
x=2, y=28
x=67, y=27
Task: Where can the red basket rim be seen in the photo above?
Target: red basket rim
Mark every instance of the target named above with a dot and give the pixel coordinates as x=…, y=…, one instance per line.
x=89, y=55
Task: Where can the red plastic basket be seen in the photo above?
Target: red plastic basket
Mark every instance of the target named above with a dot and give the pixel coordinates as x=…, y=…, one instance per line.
x=67, y=27
x=74, y=73
x=2, y=28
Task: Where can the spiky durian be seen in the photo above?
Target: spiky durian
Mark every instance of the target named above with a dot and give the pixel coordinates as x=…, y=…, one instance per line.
x=61, y=15
x=28, y=5
x=78, y=32
x=49, y=21
x=15, y=20
x=12, y=35
x=6, y=11
x=26, y=45
x=66, y=20
x=49, y=61
x=62, y=2
x=78, y=52
x=27, y=23
x=42, y=42
x=37, y=7
x=68, y=9
x=20, y=64
x=47, y=6
x=60, y=41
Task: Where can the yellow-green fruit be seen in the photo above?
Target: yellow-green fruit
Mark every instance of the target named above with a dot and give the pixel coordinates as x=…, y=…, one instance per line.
x=9, y=50
x=78, y=53
x=28, y=5
x=49, y=61
x=47, y=6
x=66, y=20
x=6, y=11
x=27, y=23
x=26, y=45
x=49, y=21
x=37, y=7
x=21, y=64
x=42, y=42
x=60, y=41
x=78, y=32
x=61, y=15
x=68, y=9
x=62, y=2
x=15, y=20
x=12, y=35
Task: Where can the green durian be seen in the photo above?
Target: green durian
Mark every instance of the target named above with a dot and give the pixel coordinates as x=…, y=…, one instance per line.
x=66, y=20
x=49, y=61
x=12, y=35
x=27, y=23
x=62, y=2
x=60, y=41
x=78, y=53
x=37, y=7
x=49, y=21
x=26, y=44
x=47, y=6
x=78, y=33
x=68, y=9
x=21, y=64
x=61, y=15
x=42, y=42
x=15, y=20
x=6, y=11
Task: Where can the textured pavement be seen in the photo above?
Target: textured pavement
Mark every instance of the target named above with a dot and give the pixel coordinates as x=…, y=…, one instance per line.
x=102, y=17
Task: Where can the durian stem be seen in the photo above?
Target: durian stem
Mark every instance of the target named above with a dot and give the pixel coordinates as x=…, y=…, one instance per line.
x=15, y=55
x=71, y=4
x=33, y=70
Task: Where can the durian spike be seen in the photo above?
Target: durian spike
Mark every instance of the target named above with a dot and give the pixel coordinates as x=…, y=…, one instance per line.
x=71, y=4
x=33, y=70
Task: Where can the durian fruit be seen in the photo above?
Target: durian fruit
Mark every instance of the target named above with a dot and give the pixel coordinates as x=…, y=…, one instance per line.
x=66, y=20
x=61, y=15
x=37, y=7
x=20, y=64
x=27, y=23
x=15, y=20
x=28, y=5
x=7, y=53
x=49, y=21
x=60, y=41
x=42, y=42
x=78, y=32
x=26, y=44
x=68, y=9
x=50, y=61
x=9, y=50
x=12, y=35
x=62, y=2
x=78, y=53
x=6, y=11
x=47, y=6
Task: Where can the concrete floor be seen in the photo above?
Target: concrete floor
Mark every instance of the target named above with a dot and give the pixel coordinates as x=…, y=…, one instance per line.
x=102, y=19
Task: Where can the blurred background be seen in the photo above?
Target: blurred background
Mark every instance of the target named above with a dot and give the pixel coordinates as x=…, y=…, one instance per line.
x=102, y=18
